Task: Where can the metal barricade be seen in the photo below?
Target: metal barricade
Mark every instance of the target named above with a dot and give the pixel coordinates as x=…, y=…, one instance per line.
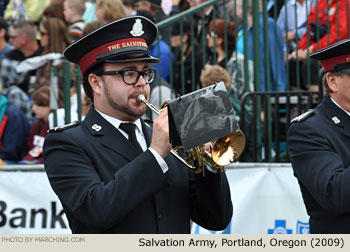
x=266, y=125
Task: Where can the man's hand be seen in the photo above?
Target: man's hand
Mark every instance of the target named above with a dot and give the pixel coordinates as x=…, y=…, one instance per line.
x=302, y=55
x=160, y=137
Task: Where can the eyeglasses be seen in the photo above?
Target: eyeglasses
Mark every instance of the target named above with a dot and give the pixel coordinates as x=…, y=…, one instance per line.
x=131, y=77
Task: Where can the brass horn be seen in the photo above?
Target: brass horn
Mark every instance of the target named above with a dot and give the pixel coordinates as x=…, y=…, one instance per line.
x=224, y=151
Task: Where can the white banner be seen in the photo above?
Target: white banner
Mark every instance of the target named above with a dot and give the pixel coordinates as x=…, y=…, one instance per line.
x=266, y=199
x=29, y=206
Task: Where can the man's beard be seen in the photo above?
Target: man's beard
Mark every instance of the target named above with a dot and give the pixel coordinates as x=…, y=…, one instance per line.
x=122, y=108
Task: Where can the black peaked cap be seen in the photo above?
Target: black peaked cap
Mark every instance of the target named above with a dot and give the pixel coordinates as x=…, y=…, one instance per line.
x=123, y=40
x=335, y=57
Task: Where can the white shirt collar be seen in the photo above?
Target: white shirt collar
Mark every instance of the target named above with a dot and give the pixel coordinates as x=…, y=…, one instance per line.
x=116, y=122
x=339, y=106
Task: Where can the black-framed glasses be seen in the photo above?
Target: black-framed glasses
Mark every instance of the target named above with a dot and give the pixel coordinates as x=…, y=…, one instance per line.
x=131, y=77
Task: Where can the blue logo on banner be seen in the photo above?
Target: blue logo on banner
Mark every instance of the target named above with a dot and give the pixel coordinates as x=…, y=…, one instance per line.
x=280, y=228
x=303, y=227
x=226, y=231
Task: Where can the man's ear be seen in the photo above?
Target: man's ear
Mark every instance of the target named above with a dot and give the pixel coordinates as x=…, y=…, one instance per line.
x=95, y=83
x=332, y=82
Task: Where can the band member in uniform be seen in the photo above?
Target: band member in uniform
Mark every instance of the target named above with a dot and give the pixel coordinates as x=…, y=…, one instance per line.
x=113, y=172
x=319, y=146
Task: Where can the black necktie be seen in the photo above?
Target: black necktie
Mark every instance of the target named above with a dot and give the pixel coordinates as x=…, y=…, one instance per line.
x=130, y=129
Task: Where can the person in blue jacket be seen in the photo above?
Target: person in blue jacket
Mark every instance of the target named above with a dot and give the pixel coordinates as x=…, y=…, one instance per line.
x=276, y=49
x=14, y=130
x=319, y=146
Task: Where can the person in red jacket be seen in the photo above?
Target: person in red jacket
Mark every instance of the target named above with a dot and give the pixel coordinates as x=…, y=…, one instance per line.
x=335, y=12
x=328, y=23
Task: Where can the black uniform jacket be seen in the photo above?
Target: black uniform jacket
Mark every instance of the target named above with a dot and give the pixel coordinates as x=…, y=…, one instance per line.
x=106, y=187
x=319, y=148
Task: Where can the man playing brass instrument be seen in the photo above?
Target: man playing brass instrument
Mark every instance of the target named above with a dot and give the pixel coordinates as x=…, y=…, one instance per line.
x=318, y=146
x=113, y=172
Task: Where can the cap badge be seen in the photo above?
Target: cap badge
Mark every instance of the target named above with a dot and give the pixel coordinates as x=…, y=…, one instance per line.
x=336, y=120
x=96, y=127
x=137, y=28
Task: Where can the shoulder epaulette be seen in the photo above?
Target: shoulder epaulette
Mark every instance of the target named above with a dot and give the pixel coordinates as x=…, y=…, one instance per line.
x=64, y=127
x=303, y=116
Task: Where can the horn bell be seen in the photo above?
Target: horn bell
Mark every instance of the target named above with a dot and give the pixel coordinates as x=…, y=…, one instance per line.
x=228, y=149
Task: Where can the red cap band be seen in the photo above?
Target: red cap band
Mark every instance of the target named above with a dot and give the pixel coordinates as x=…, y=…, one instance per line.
x=328, y=64
x=90, y=58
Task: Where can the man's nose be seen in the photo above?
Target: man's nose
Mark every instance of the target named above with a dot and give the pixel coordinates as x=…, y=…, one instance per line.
x=141, y=81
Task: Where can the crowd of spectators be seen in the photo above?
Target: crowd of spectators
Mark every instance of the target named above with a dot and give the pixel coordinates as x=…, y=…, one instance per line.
x=34, y=34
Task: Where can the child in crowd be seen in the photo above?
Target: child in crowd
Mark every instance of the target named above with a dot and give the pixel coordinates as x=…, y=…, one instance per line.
x=73, y=11
x=41, y=109
x=14, y=129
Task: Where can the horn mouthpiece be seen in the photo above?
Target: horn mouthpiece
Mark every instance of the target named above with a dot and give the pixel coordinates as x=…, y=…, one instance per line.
x=141, y=98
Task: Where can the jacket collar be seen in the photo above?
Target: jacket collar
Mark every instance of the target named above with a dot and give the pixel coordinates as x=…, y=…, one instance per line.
x=111, y=137
x=336, y=115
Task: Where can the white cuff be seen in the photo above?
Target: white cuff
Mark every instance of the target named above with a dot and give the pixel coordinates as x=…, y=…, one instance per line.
x=163, y=165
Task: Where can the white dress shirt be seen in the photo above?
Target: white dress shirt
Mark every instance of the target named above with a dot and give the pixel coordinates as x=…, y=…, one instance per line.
x=139, y=135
